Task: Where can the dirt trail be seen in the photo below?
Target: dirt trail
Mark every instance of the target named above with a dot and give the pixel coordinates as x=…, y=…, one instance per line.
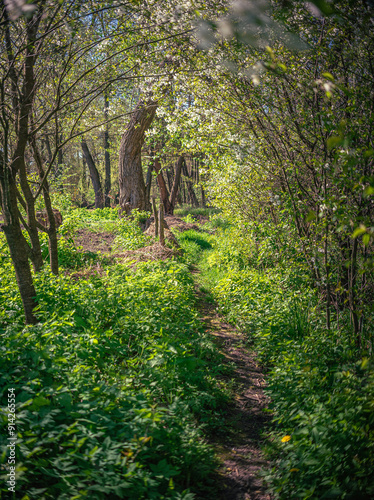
x=238, y=448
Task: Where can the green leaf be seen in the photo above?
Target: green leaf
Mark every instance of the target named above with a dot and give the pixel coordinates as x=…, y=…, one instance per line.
x=311, y=216
x=335, y=140
x=40, y=401
x=328, y=76
x=65, y=399
x=366, y=239
x=369, y=190
x=358, y=231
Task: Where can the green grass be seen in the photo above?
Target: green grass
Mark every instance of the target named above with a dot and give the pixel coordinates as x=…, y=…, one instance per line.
x=322, y=440
x=116, y=386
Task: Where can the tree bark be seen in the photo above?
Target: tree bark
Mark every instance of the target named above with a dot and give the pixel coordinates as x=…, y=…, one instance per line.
x=177, y=181
x=52, y=229
x=131, y=180
x=155, y=215
x=107, y=185
x=161, y=224
x=94, y=174
x=193, y=199
x=18, y=246
x=22, y=99
x=148, y=185
x=164, y=193
x=203, y=199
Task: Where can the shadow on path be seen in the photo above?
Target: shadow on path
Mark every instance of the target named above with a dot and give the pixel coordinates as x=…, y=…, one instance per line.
x=238, y=445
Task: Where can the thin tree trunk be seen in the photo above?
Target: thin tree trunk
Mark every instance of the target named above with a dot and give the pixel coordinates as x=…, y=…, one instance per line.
x=155, y=215
x=59, y=167
x=352, y=294
x=164, y=193
x=22, y=102
x=169, y=178
x=327, y=266
x=203, y=199
x=148, y=186
x=31, y=226
x=131, y=181
x=107, y=185
x=177, y=181
x=161, y=224
x=193, y=199
x=94, y=174
x=52, y=230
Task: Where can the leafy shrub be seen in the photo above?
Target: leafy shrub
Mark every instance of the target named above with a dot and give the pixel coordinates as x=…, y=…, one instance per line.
x=207, y=211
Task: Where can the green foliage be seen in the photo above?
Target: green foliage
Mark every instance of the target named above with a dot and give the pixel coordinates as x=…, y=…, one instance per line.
x=190, y=219
x=193, y=243
x=130, y=236
x=113, y=385
x=321, y=391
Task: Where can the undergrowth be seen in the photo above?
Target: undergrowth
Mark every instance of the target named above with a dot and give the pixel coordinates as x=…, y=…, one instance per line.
x=321, y=444
x=115, y=386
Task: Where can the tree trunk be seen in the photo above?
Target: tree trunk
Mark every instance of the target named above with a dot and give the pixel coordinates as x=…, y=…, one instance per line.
x=148, y=185
x=155, y=215
x=22, y=98
x=94, y=174
x=161, y=224
x=193, y=199
x=18, y=246
x=52, y=230
x=30, y=226
x=203, y=199
x=107, y=185
x=60, y=167
x=169, y=178
x=131, y=181
x=164, y=193
x=177, y=181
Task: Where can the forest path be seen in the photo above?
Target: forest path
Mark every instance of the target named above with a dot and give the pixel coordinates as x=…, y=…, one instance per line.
x=238, y=447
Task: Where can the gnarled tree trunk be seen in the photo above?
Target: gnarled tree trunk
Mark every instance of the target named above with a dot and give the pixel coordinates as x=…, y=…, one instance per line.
x=177, y=181
x=193, y=199
x=18, y=247
x=169, y=201
x=132, y=192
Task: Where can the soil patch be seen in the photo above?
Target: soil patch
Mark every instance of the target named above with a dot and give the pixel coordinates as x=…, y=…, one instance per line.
x=173, y=222
x=151, y=252
x=94, y=242
x=239, y=447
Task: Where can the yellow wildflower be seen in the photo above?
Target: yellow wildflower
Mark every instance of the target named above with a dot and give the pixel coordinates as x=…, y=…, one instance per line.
x=285, y=439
